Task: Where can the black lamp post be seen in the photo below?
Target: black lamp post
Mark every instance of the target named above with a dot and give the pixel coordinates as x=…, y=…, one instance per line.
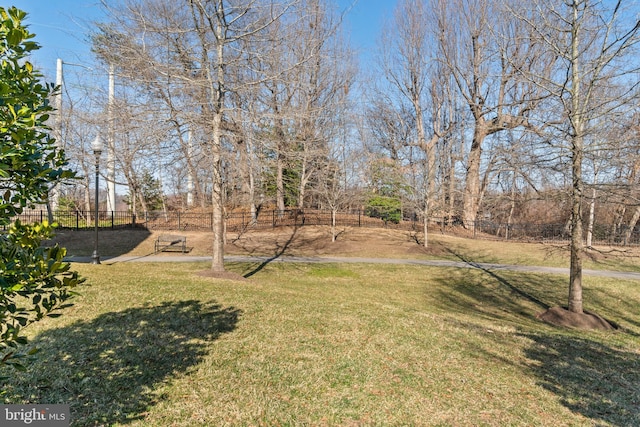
x=97, y=147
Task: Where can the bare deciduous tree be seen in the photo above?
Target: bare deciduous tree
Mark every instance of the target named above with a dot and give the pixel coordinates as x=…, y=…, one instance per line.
x=412, y=72
x=195, y=48
x=590, y=42
x=305, y=90
x=485, y=51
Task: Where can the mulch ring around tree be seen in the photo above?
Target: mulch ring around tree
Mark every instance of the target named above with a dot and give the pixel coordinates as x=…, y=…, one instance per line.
x=560, y=316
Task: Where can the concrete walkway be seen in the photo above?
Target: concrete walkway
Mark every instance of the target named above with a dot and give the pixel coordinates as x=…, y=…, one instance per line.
x=296, y=259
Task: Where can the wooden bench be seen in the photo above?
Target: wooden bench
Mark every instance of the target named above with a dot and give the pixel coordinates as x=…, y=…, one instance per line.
x=170, y=242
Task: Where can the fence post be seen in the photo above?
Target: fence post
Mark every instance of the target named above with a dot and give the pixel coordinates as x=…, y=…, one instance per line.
x=133, y=220
x=112, y=220
x=359, y=223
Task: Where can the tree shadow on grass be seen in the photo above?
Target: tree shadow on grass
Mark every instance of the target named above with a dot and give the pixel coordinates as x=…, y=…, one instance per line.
x=595, y=380
x=279, y=250
x=515, y=297
x=515, y=290
x=109, y=369
x=498, y=292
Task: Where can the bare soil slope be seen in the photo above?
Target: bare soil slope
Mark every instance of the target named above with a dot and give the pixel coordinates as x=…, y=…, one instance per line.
x=282, y=241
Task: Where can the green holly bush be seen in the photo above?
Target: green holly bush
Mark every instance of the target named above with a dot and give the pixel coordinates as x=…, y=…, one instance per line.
x=34, y=280
x=388, y=209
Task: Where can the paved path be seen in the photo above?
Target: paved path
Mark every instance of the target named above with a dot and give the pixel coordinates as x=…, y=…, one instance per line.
x=297, y=259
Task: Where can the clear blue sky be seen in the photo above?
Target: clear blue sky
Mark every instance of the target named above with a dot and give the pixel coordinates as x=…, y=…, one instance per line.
x=61, y=27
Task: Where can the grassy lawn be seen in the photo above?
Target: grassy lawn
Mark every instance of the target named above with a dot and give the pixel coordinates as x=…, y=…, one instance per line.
x=330, y=344
x=539, y=254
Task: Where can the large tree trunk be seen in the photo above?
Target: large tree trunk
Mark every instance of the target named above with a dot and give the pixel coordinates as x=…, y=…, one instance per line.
x=577, y=154
x=577, y=244
x=218, y=96
x=471, y=197
x=304, y=180
x=632, y=225
x=217, y=262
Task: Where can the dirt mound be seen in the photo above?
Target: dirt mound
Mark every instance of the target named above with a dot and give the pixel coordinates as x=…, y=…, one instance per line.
x=560, y=316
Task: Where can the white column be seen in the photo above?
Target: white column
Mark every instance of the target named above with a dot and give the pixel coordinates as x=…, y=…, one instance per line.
x=111, y=146
x=54, y=194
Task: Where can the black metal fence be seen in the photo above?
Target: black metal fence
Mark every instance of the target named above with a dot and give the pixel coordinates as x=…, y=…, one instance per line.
x=194, y=221
x=602, y=234
x=240, y=221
